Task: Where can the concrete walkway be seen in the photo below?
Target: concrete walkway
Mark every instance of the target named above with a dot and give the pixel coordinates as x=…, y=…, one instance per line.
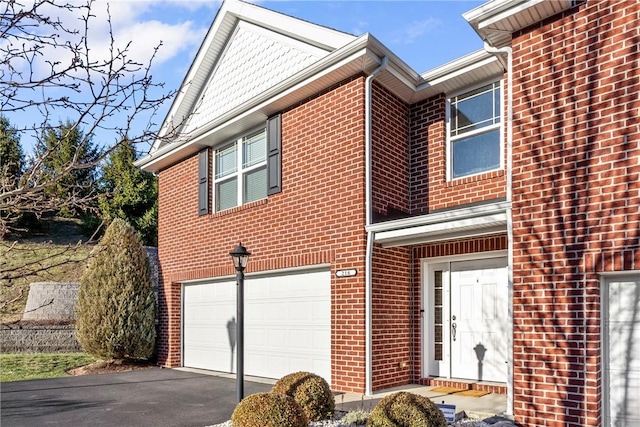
x=483, y=407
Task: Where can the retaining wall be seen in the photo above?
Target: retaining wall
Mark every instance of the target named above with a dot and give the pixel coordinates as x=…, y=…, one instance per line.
x=27, y=338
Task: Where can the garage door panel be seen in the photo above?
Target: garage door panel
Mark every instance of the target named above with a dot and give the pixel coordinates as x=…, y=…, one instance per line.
x=287, y=325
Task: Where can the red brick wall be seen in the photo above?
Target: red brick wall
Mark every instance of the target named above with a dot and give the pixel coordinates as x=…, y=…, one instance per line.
x=319, y=215
x=427, y=130
x=576, y=198
x=391, y=322
x=389, y=152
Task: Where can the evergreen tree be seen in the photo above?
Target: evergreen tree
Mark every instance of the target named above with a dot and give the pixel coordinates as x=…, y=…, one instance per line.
x=11, y=155
x=115, y=312
x=69, y=159
x=130, y=193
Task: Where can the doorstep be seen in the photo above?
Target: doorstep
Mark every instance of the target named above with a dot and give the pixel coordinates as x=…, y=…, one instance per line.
x=491, y=387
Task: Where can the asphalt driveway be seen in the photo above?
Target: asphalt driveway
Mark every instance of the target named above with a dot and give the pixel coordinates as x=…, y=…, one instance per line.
x=149, y=397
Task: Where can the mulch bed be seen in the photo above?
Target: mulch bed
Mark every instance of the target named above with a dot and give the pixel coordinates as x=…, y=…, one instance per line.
x=110, y=366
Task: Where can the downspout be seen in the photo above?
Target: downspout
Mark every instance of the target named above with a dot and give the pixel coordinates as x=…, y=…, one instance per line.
x=370, y=234
x=509, y=148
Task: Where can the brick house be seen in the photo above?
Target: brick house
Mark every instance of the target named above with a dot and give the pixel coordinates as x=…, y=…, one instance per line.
x=477, y=224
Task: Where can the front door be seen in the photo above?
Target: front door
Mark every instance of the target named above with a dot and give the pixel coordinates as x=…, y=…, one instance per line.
x=467, y=330
x=478, y=326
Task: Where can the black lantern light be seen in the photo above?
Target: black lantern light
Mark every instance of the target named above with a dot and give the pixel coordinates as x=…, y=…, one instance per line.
x=240, y=257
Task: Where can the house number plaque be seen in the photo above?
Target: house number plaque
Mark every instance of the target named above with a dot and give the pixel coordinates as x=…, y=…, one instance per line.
x=346, y=273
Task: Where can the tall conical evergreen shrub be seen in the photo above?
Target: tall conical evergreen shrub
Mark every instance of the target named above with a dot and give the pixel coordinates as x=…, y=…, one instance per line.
x=115, y=312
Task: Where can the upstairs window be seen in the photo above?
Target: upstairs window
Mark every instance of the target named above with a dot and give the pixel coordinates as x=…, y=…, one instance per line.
x=240, y=174
x=475, y=131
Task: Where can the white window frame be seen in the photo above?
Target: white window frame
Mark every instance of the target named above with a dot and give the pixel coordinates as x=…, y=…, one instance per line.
x=606, y=278
x=240, y=171
x=451, y=140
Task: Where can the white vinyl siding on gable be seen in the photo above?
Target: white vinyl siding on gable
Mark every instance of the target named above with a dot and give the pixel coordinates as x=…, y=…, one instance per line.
x=474, y=131
x=241, y=171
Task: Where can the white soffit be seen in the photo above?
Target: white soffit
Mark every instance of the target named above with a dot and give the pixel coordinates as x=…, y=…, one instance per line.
x=455, y=224
x=496, y=20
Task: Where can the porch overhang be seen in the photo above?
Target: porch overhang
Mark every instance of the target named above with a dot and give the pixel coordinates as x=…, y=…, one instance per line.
x=455, y=224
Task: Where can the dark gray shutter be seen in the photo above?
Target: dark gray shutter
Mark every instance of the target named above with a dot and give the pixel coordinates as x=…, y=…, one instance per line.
x=274, y=154
x=203, y=182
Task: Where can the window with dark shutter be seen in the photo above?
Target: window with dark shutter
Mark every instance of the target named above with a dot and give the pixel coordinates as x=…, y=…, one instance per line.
x=274, y=155
x=203, y=182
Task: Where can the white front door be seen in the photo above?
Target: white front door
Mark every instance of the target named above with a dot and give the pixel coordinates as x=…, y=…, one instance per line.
x=478, y=320
x=466, y=320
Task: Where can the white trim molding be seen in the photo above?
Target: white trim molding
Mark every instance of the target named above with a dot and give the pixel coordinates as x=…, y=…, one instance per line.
x=455, y=224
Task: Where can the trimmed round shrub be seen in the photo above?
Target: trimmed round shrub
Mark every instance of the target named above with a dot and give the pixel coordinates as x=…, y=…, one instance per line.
x=268, y=410
x=406, y=410
x=310, y=391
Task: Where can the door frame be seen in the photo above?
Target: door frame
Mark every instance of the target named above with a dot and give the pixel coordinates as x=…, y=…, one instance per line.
x=605, y=280
x=442, y=369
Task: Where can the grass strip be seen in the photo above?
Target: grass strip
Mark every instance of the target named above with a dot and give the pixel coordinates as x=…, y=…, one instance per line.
x=31, y=366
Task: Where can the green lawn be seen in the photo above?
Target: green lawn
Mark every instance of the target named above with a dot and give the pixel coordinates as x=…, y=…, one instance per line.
x=28, y=366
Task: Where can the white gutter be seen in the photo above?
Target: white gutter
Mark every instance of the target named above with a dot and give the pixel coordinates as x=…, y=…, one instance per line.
x=370, y=235
x=507, y=50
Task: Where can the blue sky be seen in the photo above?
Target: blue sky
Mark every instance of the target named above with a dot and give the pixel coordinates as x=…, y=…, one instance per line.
x=425, y=34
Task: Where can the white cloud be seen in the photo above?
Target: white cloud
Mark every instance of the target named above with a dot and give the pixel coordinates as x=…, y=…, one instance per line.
x=131, y=23
x=415, y=30
x=360, y=28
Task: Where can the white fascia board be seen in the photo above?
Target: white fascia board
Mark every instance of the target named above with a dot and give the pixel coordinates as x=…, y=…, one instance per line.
x=190, y=79
x=452, y=229
x=502, y=15
x=456, y=67
x=314, y=34
x=490, y=8
x=455, y=223
x=487, y=19
x=395, y=61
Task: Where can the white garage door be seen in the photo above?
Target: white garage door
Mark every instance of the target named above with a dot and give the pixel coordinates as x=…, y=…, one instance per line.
x=622, y=326
x=287, y=325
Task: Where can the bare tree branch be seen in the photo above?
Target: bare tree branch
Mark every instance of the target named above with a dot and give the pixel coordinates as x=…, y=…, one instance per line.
x=50, y=68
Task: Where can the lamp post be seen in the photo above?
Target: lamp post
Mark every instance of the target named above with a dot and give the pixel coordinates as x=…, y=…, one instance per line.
x=240, y=257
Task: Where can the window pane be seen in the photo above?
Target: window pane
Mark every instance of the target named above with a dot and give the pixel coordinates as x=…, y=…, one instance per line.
x=476, y=154
x=226, y=161
x=255, y=149
x=438, y=352
x=473, y=113
x=255, y=185
x=475, y=109
x=227, y=194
